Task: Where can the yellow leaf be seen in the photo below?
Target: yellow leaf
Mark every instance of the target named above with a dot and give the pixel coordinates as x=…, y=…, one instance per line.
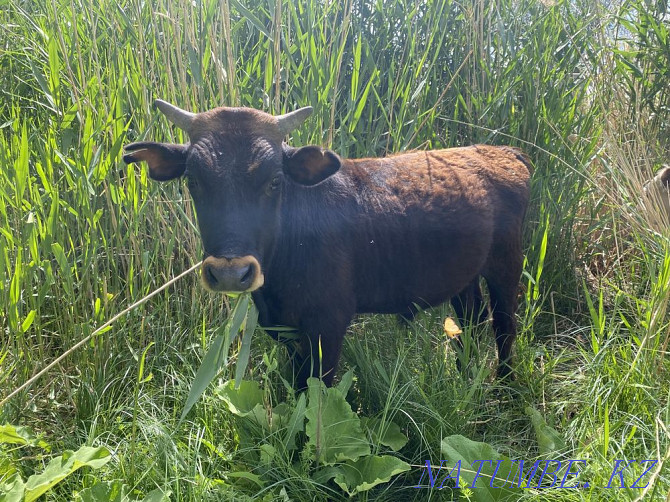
x=451, y=329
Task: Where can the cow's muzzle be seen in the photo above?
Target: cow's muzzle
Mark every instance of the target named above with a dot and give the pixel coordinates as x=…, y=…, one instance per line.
x=233, y=275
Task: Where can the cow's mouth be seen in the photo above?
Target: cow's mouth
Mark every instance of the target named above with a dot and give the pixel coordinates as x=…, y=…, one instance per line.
x=232, y=275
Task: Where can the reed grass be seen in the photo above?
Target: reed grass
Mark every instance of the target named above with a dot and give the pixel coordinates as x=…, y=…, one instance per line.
x=580, y=85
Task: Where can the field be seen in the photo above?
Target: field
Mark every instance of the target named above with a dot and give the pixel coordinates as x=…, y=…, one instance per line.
x=124, y=413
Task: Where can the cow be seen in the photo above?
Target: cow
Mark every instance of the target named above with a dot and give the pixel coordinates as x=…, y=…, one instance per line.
x=317, y=238
x=657, y=191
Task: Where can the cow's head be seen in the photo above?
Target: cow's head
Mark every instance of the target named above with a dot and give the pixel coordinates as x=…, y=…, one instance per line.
x=657, y=190
x=237, y=167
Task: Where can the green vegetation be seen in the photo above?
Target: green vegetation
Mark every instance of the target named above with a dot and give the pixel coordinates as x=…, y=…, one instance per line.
x=581, y=85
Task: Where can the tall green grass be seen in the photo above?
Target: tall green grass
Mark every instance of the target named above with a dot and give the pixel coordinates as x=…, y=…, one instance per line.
x=579, y=84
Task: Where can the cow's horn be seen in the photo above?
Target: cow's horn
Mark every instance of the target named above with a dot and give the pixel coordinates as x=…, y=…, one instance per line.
x=180, y=118
x=291, y=121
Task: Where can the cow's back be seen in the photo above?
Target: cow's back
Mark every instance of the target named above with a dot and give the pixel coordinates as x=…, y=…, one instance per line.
x=427, y=221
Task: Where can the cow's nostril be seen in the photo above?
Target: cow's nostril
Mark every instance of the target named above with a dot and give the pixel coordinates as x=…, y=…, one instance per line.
x=212, y=277
x=246, y=277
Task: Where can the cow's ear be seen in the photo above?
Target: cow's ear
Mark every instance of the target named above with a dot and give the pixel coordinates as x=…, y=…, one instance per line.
x=166, y=161
x=665, y=177
x=310, y=165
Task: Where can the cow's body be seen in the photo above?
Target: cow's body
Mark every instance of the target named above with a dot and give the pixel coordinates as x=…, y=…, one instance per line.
x=379, y=235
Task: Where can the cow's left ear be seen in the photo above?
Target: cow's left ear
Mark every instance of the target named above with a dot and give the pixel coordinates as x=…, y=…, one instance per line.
x=664, y=176
x=166, y=161
x=310, y=165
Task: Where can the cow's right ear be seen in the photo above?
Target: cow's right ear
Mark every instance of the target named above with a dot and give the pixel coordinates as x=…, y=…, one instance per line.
x=166, y=161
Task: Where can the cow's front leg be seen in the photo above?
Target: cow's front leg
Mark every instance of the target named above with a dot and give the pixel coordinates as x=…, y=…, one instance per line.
x=321, y=346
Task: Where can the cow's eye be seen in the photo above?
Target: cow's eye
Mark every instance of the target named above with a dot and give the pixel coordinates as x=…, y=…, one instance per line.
x=275, y=183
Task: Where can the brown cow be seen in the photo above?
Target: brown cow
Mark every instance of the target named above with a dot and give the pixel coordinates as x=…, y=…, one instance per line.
x=317, y=238
x=657, y=191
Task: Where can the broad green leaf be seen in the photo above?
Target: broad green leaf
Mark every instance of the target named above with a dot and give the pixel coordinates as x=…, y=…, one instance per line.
x=7, y=468
x=242, y=400
x=281, y=413
x=385, y=432
x=11, y=434
x=62, y=466
x=367, y=472
x=247, y=402
x=326, y=473
x=345, y=383
x=459, y=448
x=268, y=454
x=105, y=491
x=158, y=495
x=549, y=440
x=334, y=431
x=12, y=489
